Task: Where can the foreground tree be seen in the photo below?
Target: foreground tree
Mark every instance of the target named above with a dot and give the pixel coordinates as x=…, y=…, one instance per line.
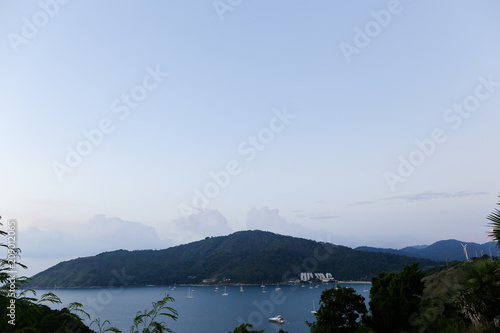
x=22, y=313
x=246, y=328
x=478, y=296
x=102, y=328
x=472, y=304
x=340, y=311
x=395, y=299
x=494, y=217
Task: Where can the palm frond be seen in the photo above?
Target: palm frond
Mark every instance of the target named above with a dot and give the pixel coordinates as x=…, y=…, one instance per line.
x=494, y=217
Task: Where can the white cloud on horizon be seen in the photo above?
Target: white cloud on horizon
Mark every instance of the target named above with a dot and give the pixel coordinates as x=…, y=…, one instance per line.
x=203, y=223
x=270, y=220
x=99, y=234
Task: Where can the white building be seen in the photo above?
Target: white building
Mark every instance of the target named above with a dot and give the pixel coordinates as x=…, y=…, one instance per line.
x=306, y=276
x=316, y=276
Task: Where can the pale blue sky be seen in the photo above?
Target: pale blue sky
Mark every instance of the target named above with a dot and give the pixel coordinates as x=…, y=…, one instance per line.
x=321, y=176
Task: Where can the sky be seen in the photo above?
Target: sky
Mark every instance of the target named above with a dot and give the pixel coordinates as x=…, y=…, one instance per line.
x=137, y=125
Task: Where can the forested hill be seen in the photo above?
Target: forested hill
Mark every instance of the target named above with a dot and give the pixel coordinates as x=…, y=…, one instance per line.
x=242, y=257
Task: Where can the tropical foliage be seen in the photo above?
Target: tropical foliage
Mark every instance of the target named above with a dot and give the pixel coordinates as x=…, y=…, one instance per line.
x=147, y=321
x=340, y=311
x=494, y=217
x=22, y=313
x=395, y=298
x=246, y=328
x=478, y=296
x=468, y=301
x=30, y=315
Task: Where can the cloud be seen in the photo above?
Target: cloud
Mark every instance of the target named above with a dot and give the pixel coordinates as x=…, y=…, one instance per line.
x=422, y=196
x=203, y=223
x=323, y=216
x=270, y=220
x=360, y=203
x=429, y=195
x=98, y=234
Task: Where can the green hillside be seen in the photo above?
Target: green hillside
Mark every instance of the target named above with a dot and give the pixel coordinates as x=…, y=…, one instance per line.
x=242, y=257
x=441, y=279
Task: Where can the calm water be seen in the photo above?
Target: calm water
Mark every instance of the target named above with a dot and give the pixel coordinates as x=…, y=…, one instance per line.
x=208, y=311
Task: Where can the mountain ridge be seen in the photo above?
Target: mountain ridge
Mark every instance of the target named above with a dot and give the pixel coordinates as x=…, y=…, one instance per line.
x=242, y=257
x=443, y=250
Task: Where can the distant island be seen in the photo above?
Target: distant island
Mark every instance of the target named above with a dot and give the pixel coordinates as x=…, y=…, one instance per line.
x=248, y=257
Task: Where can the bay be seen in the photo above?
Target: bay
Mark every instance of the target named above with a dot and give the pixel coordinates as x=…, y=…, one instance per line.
x=209, y=311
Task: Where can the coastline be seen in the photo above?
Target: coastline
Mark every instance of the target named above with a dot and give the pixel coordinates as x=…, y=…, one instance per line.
x=200, y=285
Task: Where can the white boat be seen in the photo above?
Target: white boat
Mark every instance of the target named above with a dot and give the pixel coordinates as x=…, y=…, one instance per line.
x=216, y=289
x=314, y=309
x=225, y=292
x=277, y=287
x=278, y=319
x=190, y=293
x=241, y=289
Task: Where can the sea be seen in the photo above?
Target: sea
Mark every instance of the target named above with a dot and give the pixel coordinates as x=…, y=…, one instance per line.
x=208, y=310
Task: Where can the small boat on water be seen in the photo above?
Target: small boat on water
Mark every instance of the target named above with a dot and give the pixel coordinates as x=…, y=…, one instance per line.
x=277, y=287
x=278, y=319
x=225, y=292
x=241, y=289
x=314, y=309
x=190, y=293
